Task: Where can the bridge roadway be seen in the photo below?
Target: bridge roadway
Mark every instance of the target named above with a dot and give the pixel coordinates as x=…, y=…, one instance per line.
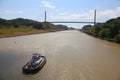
x=70, y=22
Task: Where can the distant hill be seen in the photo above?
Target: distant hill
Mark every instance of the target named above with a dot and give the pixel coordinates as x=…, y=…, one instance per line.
x=50, y=26
x=20, y=22
x=20, y=26
x=109, y=30
x=29, y=23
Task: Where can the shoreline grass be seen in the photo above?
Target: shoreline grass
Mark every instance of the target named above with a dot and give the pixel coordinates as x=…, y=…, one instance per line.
x=12, y=32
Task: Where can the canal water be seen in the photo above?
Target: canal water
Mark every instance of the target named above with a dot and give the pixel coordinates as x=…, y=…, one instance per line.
x=71, y=55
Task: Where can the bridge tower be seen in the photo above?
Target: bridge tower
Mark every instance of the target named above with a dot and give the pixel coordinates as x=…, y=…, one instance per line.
x=94, y=22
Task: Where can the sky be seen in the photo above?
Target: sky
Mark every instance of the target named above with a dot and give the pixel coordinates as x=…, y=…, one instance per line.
x=61, y=10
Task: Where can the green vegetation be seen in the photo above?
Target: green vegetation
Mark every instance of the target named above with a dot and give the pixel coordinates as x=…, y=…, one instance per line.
x=109, y=30
x=20, y=22
x=6, y=32
x=22, y=26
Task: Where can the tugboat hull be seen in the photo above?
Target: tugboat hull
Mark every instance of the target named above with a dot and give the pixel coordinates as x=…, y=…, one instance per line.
x=27, y=70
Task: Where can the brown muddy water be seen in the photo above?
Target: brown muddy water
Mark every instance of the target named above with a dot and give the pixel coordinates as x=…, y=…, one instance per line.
x=71, y=55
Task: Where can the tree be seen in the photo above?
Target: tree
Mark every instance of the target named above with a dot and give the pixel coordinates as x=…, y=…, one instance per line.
x=37, y=26
x=117, y=38
x=105, y=33
x=86, y=27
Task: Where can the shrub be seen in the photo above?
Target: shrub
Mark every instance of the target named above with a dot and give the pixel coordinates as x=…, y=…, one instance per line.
x=117, y=38
x=105, y=33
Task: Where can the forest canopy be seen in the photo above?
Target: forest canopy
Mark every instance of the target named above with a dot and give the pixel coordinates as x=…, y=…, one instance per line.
x=109, y=30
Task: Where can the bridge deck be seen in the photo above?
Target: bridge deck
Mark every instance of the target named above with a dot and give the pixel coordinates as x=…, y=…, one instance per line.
x=70, y=22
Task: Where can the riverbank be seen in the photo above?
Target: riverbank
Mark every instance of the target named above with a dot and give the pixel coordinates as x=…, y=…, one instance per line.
x=110, y=30
x=21, y=26
x=13, y=32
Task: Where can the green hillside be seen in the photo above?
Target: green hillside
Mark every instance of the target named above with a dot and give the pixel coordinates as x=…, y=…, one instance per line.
x=109, y=30
x=22, y=26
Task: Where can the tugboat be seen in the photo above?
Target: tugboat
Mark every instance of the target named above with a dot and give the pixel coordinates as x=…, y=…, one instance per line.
x=35, y=64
